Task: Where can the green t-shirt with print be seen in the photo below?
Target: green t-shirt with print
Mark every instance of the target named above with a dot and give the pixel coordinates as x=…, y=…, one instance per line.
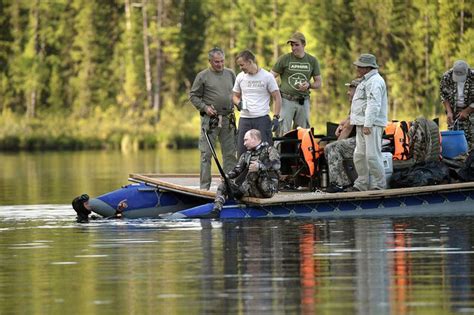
x=294, y=70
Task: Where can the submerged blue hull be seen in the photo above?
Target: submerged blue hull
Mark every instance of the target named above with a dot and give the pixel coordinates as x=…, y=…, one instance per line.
x=144, y=201
x=450, y=203
x=179, y=202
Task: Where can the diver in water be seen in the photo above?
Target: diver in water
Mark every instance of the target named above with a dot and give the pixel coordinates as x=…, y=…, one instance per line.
x=83, y=209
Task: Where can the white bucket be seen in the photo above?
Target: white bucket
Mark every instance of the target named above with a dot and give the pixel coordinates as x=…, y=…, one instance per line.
x=387, y=166
x=387, y=161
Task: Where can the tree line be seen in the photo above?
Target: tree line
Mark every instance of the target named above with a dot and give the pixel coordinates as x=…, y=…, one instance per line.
x=113, y=69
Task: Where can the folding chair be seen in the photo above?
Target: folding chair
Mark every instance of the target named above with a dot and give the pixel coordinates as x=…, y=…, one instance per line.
x=299, y=155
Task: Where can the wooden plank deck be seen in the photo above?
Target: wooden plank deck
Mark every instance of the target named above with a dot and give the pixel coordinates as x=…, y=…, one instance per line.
x=185, y=183
x=304, y=197
x=189, y=184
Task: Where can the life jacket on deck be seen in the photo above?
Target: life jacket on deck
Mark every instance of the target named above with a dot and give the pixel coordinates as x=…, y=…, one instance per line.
x=309, y=148
x=301, y=158
x=299, y=151
x=397, y=133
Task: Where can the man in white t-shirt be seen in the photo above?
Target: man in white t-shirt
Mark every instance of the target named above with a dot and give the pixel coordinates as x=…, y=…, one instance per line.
x=252, y=90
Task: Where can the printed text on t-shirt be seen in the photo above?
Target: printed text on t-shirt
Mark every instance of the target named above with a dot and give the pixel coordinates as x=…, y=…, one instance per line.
x=255, y=84
x=299, y=66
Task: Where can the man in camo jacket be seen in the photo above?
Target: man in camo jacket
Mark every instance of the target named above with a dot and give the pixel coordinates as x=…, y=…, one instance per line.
x=457, y=95
x=256, y=174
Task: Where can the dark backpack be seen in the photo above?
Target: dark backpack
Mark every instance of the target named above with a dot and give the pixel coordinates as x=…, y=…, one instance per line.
x=424, y=140
x=466, y=173
x=422, y=174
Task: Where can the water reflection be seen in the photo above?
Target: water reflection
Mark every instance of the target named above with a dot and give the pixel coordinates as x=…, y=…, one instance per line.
x=57, y=177
x=357, y=266
x=460, y=267
x=50, y=264
x=373, y=268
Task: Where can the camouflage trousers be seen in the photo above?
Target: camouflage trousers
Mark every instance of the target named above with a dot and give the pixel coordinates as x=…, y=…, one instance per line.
x=335, y=153
x=468, y=127
x=253, y=186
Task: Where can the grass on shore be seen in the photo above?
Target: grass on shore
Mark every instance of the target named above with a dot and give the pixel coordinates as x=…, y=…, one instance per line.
x=103, y=129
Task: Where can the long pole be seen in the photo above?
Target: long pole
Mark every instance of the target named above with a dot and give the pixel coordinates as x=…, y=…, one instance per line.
x=219, y=167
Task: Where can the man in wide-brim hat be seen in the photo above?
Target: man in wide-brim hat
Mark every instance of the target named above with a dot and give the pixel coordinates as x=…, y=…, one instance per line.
x=366, y=61
x=369, y=114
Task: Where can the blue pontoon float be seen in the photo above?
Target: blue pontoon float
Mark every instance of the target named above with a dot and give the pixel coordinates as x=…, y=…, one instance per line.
x=179, y=197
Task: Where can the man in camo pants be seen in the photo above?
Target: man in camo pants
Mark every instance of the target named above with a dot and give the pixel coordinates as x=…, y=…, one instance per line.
x=343, y=148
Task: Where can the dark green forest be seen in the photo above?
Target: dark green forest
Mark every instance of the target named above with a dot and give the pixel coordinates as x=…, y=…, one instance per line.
x=78, y=74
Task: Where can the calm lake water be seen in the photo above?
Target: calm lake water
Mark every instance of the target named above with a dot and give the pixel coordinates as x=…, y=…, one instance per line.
x=51, y=265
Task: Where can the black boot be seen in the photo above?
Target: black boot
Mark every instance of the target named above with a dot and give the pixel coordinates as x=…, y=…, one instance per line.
x=333, y=188
x=214, y=213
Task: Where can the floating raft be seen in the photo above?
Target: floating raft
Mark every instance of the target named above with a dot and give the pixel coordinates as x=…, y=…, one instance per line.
x=446, y=199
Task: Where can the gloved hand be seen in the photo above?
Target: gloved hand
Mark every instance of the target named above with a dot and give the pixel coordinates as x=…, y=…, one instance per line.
x=275, y=124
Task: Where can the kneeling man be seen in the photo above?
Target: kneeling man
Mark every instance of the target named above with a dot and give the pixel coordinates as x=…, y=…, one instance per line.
x=255, y=175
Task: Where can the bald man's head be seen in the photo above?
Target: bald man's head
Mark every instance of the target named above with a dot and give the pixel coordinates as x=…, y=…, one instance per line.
x=252, y=139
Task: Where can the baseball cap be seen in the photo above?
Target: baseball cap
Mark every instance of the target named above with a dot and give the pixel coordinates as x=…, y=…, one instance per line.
x=460, y=69
x=297, y=37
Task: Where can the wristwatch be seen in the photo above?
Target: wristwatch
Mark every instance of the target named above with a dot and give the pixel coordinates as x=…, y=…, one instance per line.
x=276, y=116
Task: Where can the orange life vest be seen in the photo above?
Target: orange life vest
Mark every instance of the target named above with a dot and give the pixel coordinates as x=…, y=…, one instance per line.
x=401, y=141
x=310, y=149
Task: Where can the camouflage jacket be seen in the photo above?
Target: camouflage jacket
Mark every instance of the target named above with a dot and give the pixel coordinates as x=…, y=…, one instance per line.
x=448, y=88
x=268, y=160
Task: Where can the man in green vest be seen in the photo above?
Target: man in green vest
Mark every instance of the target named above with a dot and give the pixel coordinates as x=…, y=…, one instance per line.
x=296, y=70
x=211, y=94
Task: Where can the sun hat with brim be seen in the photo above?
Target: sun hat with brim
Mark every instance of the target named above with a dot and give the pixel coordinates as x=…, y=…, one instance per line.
x=460, y=70
x=297, y=37
x=354, y=83
x=366, y=60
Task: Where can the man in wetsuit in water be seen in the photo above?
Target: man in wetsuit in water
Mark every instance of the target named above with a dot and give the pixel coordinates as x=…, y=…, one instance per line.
x=83, y=209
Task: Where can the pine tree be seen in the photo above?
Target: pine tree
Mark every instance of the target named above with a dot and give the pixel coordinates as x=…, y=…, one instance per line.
x=192, y=37
x=6, y=43
x=97, y=33
x=333, y=36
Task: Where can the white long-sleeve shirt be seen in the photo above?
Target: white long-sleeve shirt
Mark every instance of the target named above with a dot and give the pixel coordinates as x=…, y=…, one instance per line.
x=370, y=103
